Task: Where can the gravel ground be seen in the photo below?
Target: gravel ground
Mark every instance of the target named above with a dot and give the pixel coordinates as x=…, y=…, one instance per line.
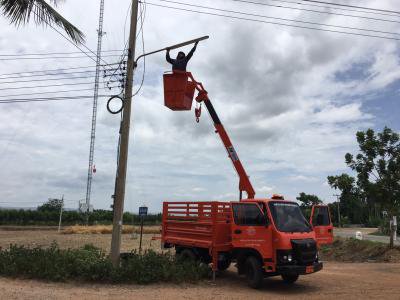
x=336, y=281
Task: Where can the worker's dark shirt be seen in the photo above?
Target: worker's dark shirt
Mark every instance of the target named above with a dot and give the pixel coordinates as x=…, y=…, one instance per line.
x=180, y=64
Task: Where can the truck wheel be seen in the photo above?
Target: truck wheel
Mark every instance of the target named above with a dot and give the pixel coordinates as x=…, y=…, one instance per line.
x=290, y=278
x=187, y=255
x=254, y=272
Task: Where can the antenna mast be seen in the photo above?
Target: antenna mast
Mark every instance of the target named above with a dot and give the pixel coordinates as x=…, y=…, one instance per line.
x=100, y=34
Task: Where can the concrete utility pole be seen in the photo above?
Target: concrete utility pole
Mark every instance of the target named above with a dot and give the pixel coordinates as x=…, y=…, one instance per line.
x=61, y=211
x=124, y=143
x=338, y=207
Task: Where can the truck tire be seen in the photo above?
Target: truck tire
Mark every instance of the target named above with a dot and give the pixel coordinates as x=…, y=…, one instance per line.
x=187, y=255
x=290, y=278
x=254, y=272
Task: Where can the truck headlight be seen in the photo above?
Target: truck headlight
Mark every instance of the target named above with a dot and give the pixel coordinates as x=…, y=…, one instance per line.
x=288, y=258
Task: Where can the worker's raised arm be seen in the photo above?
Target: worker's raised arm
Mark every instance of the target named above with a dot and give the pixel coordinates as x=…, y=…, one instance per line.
x=190, y=54
x=168, y=58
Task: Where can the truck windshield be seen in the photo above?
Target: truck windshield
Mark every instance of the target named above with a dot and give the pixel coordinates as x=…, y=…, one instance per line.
x=288, y=217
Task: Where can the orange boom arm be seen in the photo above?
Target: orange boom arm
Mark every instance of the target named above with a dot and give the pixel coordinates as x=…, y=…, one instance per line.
x=244, y=181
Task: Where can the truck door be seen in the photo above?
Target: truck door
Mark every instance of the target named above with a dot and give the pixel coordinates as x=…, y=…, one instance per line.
x=252, y=229
x=320, y=220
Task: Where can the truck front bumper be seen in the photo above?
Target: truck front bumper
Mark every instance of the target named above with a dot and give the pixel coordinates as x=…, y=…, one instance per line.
x=300, y=270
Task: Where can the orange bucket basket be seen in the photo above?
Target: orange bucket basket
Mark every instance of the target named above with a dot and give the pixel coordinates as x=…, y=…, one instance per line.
x=178, y=91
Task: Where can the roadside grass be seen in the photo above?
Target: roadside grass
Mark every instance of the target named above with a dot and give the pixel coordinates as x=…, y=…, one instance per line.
x=107, y=229
x=353, y=250
x=90, y=264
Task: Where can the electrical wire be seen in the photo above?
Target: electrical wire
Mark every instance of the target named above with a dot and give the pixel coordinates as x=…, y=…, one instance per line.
x=54, y=70
x=44, y=75
x=43, y=93
x=315, y=11
x=61, y=98
x=354, y=6
x=53, y=53
x=281, y=19
x=45, y=86
x=375, y=12
x=274, y=23
x=68, y=39
x=142, y=18
x=49, y=79
x=53, y=57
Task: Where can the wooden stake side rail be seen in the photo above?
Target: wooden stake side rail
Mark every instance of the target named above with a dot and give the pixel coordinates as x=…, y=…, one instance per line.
x=198, y=224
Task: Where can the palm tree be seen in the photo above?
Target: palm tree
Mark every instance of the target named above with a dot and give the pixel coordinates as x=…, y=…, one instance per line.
x=20, y=12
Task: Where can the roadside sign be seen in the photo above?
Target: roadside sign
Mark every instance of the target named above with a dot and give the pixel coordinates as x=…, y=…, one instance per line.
x=143, y=211
x=142, y=214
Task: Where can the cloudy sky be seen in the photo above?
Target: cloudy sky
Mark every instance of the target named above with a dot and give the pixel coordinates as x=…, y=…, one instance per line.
x=292, y=100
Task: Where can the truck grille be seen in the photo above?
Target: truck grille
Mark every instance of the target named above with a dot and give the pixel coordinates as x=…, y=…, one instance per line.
x=304, y=251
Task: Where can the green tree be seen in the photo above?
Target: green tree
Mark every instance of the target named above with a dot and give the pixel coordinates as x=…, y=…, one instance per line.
x=351, y=205
x=308, y=200
x=21, y=11
x=378, y=169
x=51, y=205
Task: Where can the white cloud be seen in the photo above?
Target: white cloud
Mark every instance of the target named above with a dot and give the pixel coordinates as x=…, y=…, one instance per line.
x=277, y=91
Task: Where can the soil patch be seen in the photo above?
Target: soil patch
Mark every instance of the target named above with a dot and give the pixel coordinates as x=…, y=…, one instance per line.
x=352, y=250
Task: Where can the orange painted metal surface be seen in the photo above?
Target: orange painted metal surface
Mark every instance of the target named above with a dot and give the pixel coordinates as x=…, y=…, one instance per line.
x=211, y=225
x=323, y=232
x=214, y=225
x=179, y=88
x=178, y=91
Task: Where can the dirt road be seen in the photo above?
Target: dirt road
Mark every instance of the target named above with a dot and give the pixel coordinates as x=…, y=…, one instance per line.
x=336, y=281
x=366, y=232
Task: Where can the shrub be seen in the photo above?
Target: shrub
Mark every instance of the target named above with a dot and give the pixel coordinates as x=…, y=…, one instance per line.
x=91, y=264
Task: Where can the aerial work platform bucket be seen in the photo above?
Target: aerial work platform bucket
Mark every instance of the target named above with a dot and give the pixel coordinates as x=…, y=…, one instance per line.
x=178, y=91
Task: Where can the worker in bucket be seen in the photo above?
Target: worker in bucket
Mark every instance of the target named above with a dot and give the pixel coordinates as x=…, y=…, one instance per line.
x=181, y=61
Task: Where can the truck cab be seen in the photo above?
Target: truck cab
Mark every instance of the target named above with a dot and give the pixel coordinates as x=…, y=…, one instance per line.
x=277, y=230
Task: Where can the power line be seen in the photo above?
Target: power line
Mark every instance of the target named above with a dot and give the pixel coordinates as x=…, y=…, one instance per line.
x=54, y=70
x=53, y=53
x=315, y=11
x=142, y=18
x=43, y=93
x=54, y=57
x=44, y=86
x=44, y=80
x=282, y=19
x=66, y=38
x=335, y=8
x=274, y=23
x=44, y=75
x=354, y=6
x=44, y=99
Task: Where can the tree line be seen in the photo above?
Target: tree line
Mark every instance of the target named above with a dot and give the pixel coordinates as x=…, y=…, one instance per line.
x=51, y=217
x=370, y=193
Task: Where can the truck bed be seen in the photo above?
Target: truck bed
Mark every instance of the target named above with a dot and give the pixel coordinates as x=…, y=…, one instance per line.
x=197, y=224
